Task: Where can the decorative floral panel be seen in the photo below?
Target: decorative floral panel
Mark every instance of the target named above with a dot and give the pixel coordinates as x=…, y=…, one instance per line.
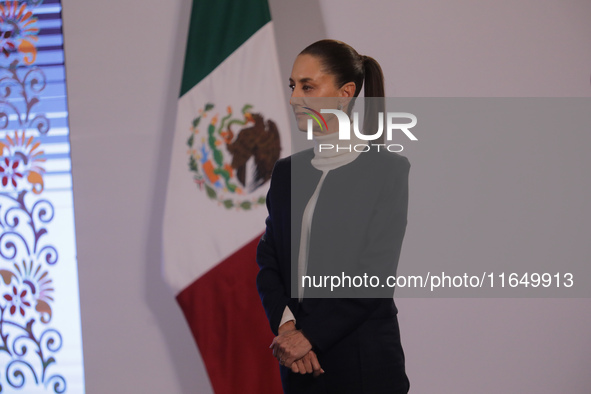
x=40, y=338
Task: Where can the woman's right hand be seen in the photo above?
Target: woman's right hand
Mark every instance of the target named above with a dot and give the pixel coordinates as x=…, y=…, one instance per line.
x=307, y=364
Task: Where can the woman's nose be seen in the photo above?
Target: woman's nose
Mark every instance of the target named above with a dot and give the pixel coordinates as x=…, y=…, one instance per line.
x=295, y=98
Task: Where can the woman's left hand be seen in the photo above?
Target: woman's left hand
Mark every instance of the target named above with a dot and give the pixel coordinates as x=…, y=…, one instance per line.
x=290, y=346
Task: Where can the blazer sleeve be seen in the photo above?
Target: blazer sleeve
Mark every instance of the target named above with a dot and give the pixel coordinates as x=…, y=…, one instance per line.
x=270, y=283
x=335, y=318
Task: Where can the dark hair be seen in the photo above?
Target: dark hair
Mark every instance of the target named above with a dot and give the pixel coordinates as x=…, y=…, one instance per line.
x=342, y=61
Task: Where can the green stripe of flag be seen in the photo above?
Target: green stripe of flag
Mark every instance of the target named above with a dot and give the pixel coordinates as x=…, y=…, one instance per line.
x=218, y=28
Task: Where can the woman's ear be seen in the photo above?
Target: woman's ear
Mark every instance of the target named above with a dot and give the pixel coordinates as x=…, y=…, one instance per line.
x=347, y=90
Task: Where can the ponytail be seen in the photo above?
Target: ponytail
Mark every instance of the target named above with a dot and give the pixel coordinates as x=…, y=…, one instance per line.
x=374, y=78
x=374, y=88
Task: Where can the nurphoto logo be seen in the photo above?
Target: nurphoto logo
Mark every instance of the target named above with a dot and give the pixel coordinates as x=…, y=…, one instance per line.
x=345, y=123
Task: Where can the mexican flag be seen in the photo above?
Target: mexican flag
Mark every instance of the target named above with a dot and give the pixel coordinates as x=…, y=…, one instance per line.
x=231, y=127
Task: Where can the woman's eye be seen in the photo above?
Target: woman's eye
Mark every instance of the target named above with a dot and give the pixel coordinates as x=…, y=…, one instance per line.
x=292, y=87
x=306, y=87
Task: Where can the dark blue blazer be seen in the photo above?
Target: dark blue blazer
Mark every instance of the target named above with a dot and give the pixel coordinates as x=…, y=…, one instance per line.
x=359, y=223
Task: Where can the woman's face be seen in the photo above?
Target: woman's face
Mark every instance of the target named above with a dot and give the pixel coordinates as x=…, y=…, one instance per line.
x=313, y=88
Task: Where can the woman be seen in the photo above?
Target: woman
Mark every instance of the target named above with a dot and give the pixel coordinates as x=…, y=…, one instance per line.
x=333, y=345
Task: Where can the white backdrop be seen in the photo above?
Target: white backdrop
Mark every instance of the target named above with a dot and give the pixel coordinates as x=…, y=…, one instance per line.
x=124, y=64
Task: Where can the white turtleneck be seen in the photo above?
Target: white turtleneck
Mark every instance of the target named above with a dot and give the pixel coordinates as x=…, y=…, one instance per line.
x=325, y=159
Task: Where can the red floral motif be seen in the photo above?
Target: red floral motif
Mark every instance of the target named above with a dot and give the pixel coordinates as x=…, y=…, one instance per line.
x=6, y=44
x=21, y=158
x=17, y=30
x=18, y=301
x=8, y=171
x=35, y=282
